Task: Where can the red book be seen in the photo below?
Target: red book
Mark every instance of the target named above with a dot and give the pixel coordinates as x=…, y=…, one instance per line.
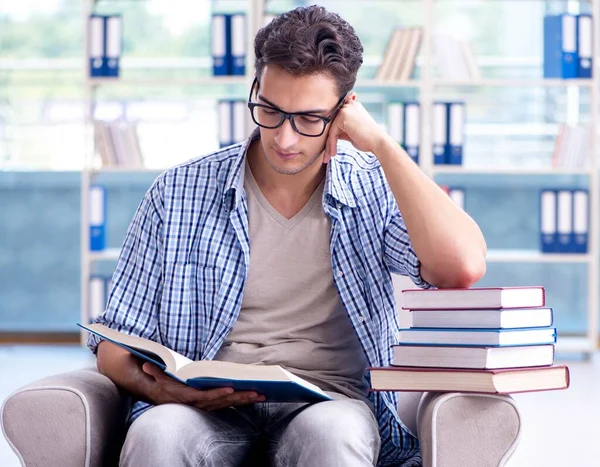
x=473, y=298
x=501, y=381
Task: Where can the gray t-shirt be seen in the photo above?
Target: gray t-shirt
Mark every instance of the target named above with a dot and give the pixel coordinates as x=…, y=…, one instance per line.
x=291, y=312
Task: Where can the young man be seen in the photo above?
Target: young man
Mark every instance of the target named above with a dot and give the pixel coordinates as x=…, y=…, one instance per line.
x=279, y=251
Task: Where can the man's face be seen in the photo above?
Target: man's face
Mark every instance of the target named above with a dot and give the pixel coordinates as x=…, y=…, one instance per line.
x=287, y=151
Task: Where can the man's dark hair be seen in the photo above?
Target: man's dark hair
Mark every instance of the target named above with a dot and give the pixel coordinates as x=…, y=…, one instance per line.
x=309, y=40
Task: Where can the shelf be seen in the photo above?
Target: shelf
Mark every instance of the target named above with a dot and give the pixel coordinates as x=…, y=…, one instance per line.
x=532, y=82
x=117, y=169
x=373, y=83
x=458, y=169
x=534, y=256
x=109, y=254
x=202, y=81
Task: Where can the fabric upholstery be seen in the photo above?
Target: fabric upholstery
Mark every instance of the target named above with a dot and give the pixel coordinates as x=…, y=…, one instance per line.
x=72, y=419
x=458, y=430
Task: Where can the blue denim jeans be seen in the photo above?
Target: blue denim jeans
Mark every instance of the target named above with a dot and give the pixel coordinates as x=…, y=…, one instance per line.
x=341, y=432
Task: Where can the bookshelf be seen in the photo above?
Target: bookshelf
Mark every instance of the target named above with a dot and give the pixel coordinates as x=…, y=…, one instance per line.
x=427, y=86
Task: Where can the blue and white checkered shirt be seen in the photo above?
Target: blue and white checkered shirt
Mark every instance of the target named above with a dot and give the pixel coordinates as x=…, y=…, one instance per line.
x=181, y=273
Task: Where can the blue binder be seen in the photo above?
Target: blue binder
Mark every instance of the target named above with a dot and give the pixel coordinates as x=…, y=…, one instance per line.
x=560, y=46
x=96, y=46
x=585, y=47
x=221, y=44
x=97, y=217
x=238, y=44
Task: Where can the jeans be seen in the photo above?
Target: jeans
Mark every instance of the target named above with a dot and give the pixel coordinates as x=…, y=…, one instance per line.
x=341, y=432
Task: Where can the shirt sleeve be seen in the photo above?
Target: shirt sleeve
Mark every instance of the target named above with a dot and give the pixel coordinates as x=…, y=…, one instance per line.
x=136, y=285
x=398, y=251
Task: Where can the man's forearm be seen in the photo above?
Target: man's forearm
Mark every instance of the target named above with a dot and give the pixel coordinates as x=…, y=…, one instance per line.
x=447, y=241
x=125, y=370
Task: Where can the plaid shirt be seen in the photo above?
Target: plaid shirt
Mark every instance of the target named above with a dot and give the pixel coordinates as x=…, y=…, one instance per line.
x=181, y=273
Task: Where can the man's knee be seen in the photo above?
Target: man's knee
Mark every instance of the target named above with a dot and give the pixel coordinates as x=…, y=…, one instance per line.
x=344, y=432
x=160, y=433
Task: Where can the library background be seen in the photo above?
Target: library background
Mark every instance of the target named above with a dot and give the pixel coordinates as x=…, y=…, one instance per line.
x=498, y=101
x=475, y=99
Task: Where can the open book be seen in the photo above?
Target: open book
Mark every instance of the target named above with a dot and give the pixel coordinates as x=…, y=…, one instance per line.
x=272, y=381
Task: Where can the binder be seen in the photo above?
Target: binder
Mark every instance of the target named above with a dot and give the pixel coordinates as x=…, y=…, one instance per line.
x=440, y=133
x=97, y=217
x=564, y=224
x=548, y=234
x=238, y=44
x=585, y=62
x=412, y=129
x=239, y=128
x=396, y=121
x=114, y=44
x=456, y=128
x=225, y=123
x=580, y=221
x=458, y=196
x=220, y=44
x=98, y=293
x=560, y=46
x=96, y=46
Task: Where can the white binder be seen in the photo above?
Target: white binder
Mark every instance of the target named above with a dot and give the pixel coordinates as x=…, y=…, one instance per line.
x=225, y=117
x=238, y=44
x=239, y=120
x=114, y=40
x=440, y=132
x=412, y=129
x=580, y=221
x=96, y=46
x=396, y=121
x=565, y=221
x=458, y=196
x=548, y=242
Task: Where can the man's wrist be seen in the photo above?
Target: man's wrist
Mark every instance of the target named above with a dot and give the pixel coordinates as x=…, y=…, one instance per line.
x=384, y=145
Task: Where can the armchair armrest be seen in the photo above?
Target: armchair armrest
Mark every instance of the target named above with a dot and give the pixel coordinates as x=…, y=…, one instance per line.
x=71, y=419
x=467, y=430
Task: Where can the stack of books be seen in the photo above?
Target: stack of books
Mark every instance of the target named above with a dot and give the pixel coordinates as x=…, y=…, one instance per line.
x=487, y=340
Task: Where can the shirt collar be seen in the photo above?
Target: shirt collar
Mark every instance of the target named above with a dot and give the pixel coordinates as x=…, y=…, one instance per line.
x=336, y=189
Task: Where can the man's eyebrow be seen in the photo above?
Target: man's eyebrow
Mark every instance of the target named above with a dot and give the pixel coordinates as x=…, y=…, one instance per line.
x=316, y=111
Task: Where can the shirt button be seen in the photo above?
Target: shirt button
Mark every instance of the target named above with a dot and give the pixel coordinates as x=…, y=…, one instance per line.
x=361, y=318
x=339, y=205
x=340, y=273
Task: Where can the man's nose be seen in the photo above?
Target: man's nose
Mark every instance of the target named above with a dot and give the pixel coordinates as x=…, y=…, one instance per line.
x=285, y=136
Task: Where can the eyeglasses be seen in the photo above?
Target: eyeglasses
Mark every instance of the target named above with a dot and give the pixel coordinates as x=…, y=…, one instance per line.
x=303, y=123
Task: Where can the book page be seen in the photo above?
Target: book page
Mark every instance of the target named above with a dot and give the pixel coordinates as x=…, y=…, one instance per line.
x=172, y=359
x=233, y=371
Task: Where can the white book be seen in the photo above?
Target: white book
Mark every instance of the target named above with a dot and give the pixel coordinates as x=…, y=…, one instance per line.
x=475, y=298
x=473, y=357
x=493, y=319
x=477, y=337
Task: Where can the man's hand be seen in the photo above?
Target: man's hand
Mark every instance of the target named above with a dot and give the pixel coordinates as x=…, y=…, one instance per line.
x=353, y=123
x=167, y=390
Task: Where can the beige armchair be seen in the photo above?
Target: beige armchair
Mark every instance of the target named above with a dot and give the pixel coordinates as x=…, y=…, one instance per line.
x=77, y=419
